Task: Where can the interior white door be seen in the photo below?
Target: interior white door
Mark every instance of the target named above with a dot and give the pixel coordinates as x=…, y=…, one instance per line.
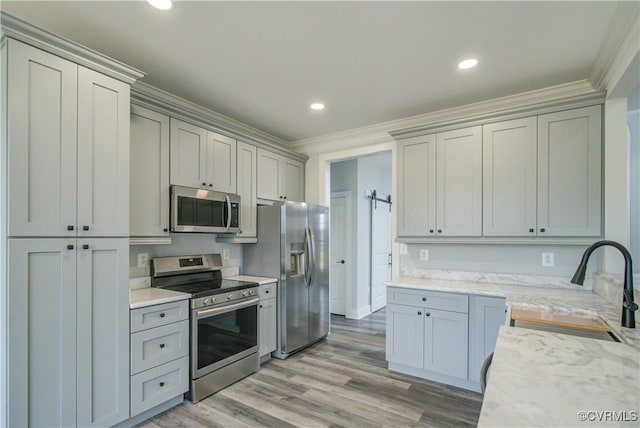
x=338, y=260
x=380, y=253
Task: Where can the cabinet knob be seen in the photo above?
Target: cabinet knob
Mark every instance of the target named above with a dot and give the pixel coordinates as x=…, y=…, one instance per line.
x=161, y=345
x=542, y=229
x=266, y=291
x=424, y=299
x=70, y=227
x=428, y=314
x=419, y=313
x=69, y=247
x=439, y=230
x=430, y=230
x=85, y=227
x=210, y=185
x=161, y=384
x=260, y=306
x=165, y=229
x=204, y=184
x=162, y=315
x=531, y=230
x=284, y=197
x=85, y=247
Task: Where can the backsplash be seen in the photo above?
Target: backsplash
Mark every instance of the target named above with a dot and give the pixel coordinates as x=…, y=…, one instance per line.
x=185, y=245
x=609, y=286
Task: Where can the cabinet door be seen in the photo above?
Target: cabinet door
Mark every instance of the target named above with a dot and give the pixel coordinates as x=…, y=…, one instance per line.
x=267, y=326
x=42, y=101
x=41, y=357
x=293, y=176
x=269, y=173
x=486, y=315
x=149, y=173
x=459, y=182
x=103, y=331
x=446, y=342
x=103, y=155
x=221, y=163
x=405, y=335
x=188, y=153
x=246, y=182
x=417, y=186
x=509, y=178
x=570, y=173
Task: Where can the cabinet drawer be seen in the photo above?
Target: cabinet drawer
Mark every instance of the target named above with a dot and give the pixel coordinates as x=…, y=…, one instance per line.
x=429, y=299
x=157, y=385
x=150, y=348
x=157, y=315
x=268, y=291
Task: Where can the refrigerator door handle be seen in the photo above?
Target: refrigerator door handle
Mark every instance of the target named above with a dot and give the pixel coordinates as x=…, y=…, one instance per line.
x=312, y=241
x=307, y=251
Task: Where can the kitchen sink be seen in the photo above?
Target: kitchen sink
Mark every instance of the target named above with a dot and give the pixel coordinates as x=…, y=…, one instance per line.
x=590, y=326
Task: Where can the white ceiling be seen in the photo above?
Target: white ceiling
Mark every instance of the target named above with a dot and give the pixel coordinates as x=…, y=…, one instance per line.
x=262, y=63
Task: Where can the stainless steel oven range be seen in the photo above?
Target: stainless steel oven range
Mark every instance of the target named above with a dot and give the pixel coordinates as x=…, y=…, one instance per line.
x=224, y=320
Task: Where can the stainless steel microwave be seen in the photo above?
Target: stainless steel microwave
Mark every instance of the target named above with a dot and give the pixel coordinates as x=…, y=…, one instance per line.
x=205, y=211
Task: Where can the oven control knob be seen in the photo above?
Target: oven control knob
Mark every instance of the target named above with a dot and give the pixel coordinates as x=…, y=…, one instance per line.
x=229, y=296
x=213, y=300
x=205, y=301
x=252, y=292
x=245, y=293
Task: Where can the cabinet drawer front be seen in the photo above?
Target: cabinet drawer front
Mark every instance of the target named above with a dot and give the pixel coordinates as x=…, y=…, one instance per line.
x=150, y=348
x=157, y=315
x=162, y=383
x=268, y=291
x=429, y=299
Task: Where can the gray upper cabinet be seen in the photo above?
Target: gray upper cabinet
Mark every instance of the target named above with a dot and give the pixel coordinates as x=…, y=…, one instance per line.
x=279, y=177
x=68, y=148
x=417, y=186
x=440, y=184
x=201, y=158
x=149, y=177
x=570, y=173
x=221, y=162
x=188, y=152
x=486, y=316
x=247, y=182
x=509, y=178
x=459, y=182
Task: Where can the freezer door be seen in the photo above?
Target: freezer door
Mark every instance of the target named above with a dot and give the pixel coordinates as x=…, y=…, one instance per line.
x=319, y=270
x=296, y=259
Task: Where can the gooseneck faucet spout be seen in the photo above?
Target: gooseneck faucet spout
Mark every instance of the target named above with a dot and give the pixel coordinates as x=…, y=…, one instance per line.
x=628, y=305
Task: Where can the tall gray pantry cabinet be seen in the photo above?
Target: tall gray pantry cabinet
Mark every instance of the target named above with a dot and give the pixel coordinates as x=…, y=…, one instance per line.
x=66, y=158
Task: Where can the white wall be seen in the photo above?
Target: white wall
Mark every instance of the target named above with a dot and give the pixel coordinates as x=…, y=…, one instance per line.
x=184, y=244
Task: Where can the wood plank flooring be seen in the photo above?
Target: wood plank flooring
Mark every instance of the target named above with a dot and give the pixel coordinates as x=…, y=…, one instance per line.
x=340, y=382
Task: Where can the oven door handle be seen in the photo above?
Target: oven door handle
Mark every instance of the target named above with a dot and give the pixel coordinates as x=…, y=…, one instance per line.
x=227, y=308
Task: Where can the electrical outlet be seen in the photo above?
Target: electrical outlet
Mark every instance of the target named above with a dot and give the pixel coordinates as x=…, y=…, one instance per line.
x=424, y=254
x=403, y=249
x=143, y=260
x=548, y=260
x=225, y=253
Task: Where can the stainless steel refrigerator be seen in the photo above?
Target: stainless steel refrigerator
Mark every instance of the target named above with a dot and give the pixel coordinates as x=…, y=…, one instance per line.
x=293, y=246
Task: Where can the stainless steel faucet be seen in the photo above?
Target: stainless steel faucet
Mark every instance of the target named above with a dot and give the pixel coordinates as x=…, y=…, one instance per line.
x=628, y=305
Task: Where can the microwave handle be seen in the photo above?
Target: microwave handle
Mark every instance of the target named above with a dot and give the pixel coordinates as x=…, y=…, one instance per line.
x=228, y=225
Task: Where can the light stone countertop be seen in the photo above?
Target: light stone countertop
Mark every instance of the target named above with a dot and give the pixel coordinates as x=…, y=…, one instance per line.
x=261, y=280
x=551, y=298
x=544, y=379
x=153, y=296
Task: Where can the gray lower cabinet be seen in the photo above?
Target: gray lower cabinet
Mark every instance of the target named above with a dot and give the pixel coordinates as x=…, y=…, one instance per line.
x=486, y=315
x=68, y=346
x=441, y=336
x=268, y=318
x=159, y=354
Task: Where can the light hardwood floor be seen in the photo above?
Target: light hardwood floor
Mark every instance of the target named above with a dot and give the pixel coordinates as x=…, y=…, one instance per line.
x=341, y=381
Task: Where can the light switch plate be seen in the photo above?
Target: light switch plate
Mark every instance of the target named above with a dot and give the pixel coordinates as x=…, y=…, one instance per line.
x=424, y=254
x=143, y=260
x=548, y=260
x=225, y=253
x=403, y=249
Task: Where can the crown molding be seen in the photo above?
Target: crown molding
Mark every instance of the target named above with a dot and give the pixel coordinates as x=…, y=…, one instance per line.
x=20, y=30
x=379, y=133
x=620, y=45
x=156, y=99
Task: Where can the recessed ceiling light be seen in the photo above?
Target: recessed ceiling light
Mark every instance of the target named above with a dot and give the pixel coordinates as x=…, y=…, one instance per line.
x=161, y=4
x=468, y=63
x=317, y=106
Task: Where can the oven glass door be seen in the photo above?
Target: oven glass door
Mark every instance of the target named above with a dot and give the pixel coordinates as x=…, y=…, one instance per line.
x=223, y=335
